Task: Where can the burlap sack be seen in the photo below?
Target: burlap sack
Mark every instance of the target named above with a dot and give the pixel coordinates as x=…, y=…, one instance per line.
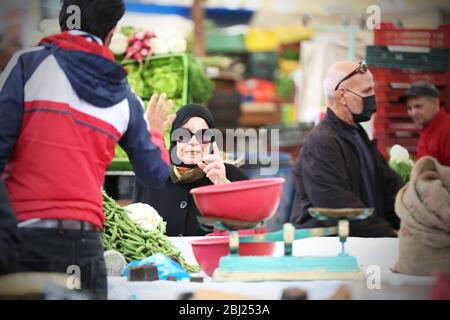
x=423, y=205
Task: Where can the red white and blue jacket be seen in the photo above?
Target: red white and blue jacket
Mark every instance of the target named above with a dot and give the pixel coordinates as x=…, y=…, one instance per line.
x=63, y=107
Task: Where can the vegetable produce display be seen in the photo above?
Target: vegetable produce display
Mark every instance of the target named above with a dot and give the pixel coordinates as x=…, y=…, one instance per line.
x=133, y=241
x=200, y=87
x=144, y=215
x=164, y=74
x=400, y=162
x=140, y=46
x=285, y=86
x=156, y=65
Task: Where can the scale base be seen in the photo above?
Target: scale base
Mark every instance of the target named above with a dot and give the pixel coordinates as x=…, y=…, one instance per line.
x=287, y=268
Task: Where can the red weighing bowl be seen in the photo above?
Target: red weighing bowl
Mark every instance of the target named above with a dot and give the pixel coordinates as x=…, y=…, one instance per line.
x=209, y=250
x=249, y=200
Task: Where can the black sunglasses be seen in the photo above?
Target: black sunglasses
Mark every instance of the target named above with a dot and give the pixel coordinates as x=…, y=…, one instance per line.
x=203, y=136
x=362, y=68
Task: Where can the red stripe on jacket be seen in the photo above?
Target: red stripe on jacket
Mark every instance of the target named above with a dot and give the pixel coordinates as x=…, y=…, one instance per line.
x=158, y=140
x=58, y=167
x=77, y=115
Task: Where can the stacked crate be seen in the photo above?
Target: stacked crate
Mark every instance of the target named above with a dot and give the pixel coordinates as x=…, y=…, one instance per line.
x=399, y=58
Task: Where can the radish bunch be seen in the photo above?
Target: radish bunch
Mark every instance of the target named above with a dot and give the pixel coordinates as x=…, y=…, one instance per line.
x=139, y=46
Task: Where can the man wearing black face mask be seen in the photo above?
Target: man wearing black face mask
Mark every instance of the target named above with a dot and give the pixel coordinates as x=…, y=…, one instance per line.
x=338, y=166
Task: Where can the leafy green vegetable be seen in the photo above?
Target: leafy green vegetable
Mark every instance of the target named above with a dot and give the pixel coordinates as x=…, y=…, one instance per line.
x=120, y=233
x=167, y=75
x=200, y=87
x=400, y=161
x=402, y=168
x=157, y=76
x=136, y=81
x=285, y=86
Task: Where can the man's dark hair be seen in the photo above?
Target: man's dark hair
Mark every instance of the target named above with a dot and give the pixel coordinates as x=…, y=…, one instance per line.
x=98, y=17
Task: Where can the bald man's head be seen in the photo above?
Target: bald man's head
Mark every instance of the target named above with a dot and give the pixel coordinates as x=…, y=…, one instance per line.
x=344, y=95
x=336, y=73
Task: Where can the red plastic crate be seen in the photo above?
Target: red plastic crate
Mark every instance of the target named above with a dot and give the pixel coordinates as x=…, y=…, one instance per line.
x=385, y=93
x=405, y=124
x=391, y=133
x=389, y=35
x=387, y=110
x=408, y=144
x=390, y=130
x=402, y=141
x=394, y=136
x=385, y=127
x=383, y=76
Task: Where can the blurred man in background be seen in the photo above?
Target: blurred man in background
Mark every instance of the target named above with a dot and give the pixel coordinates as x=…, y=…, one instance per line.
x=422, y=101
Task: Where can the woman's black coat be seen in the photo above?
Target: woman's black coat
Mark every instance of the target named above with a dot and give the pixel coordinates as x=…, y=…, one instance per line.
x=176, y=205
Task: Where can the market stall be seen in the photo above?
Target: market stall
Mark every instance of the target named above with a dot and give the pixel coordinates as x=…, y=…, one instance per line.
x=243, y=262
x=314, y=155
x=376, y=257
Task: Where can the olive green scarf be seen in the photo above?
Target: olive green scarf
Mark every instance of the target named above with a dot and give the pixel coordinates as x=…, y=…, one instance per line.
x=182, y=175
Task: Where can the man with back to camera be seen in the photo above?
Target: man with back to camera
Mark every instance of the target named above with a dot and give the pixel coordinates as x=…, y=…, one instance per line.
x=422, y=101
x=63, y=107
x=338, y=166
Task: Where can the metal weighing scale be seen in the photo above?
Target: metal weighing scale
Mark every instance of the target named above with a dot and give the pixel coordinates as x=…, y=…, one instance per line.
x=289, y=267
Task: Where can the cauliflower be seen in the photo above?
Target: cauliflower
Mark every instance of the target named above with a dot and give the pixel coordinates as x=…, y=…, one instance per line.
x=398, y=153
x=158, y=46
x=400, y=162
x=144, y=215
x=119, y=43
x=177, y=45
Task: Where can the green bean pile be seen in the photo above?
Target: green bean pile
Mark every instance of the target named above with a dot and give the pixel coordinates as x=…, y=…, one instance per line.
x=120, y=233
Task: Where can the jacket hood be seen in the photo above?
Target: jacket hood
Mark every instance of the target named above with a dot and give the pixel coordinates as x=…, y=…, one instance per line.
x=90, y=68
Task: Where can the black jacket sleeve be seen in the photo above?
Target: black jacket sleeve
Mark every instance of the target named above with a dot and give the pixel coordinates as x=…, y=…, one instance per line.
x=9, y=239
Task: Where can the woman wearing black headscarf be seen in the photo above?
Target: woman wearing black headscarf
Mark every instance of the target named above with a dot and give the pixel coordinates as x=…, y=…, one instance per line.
x=195, y=162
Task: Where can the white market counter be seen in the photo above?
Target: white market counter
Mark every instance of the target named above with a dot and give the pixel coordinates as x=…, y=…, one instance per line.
x=375, y=256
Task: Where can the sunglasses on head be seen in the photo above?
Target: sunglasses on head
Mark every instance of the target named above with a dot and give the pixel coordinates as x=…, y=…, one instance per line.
x=362, y=68
x=202, y=136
